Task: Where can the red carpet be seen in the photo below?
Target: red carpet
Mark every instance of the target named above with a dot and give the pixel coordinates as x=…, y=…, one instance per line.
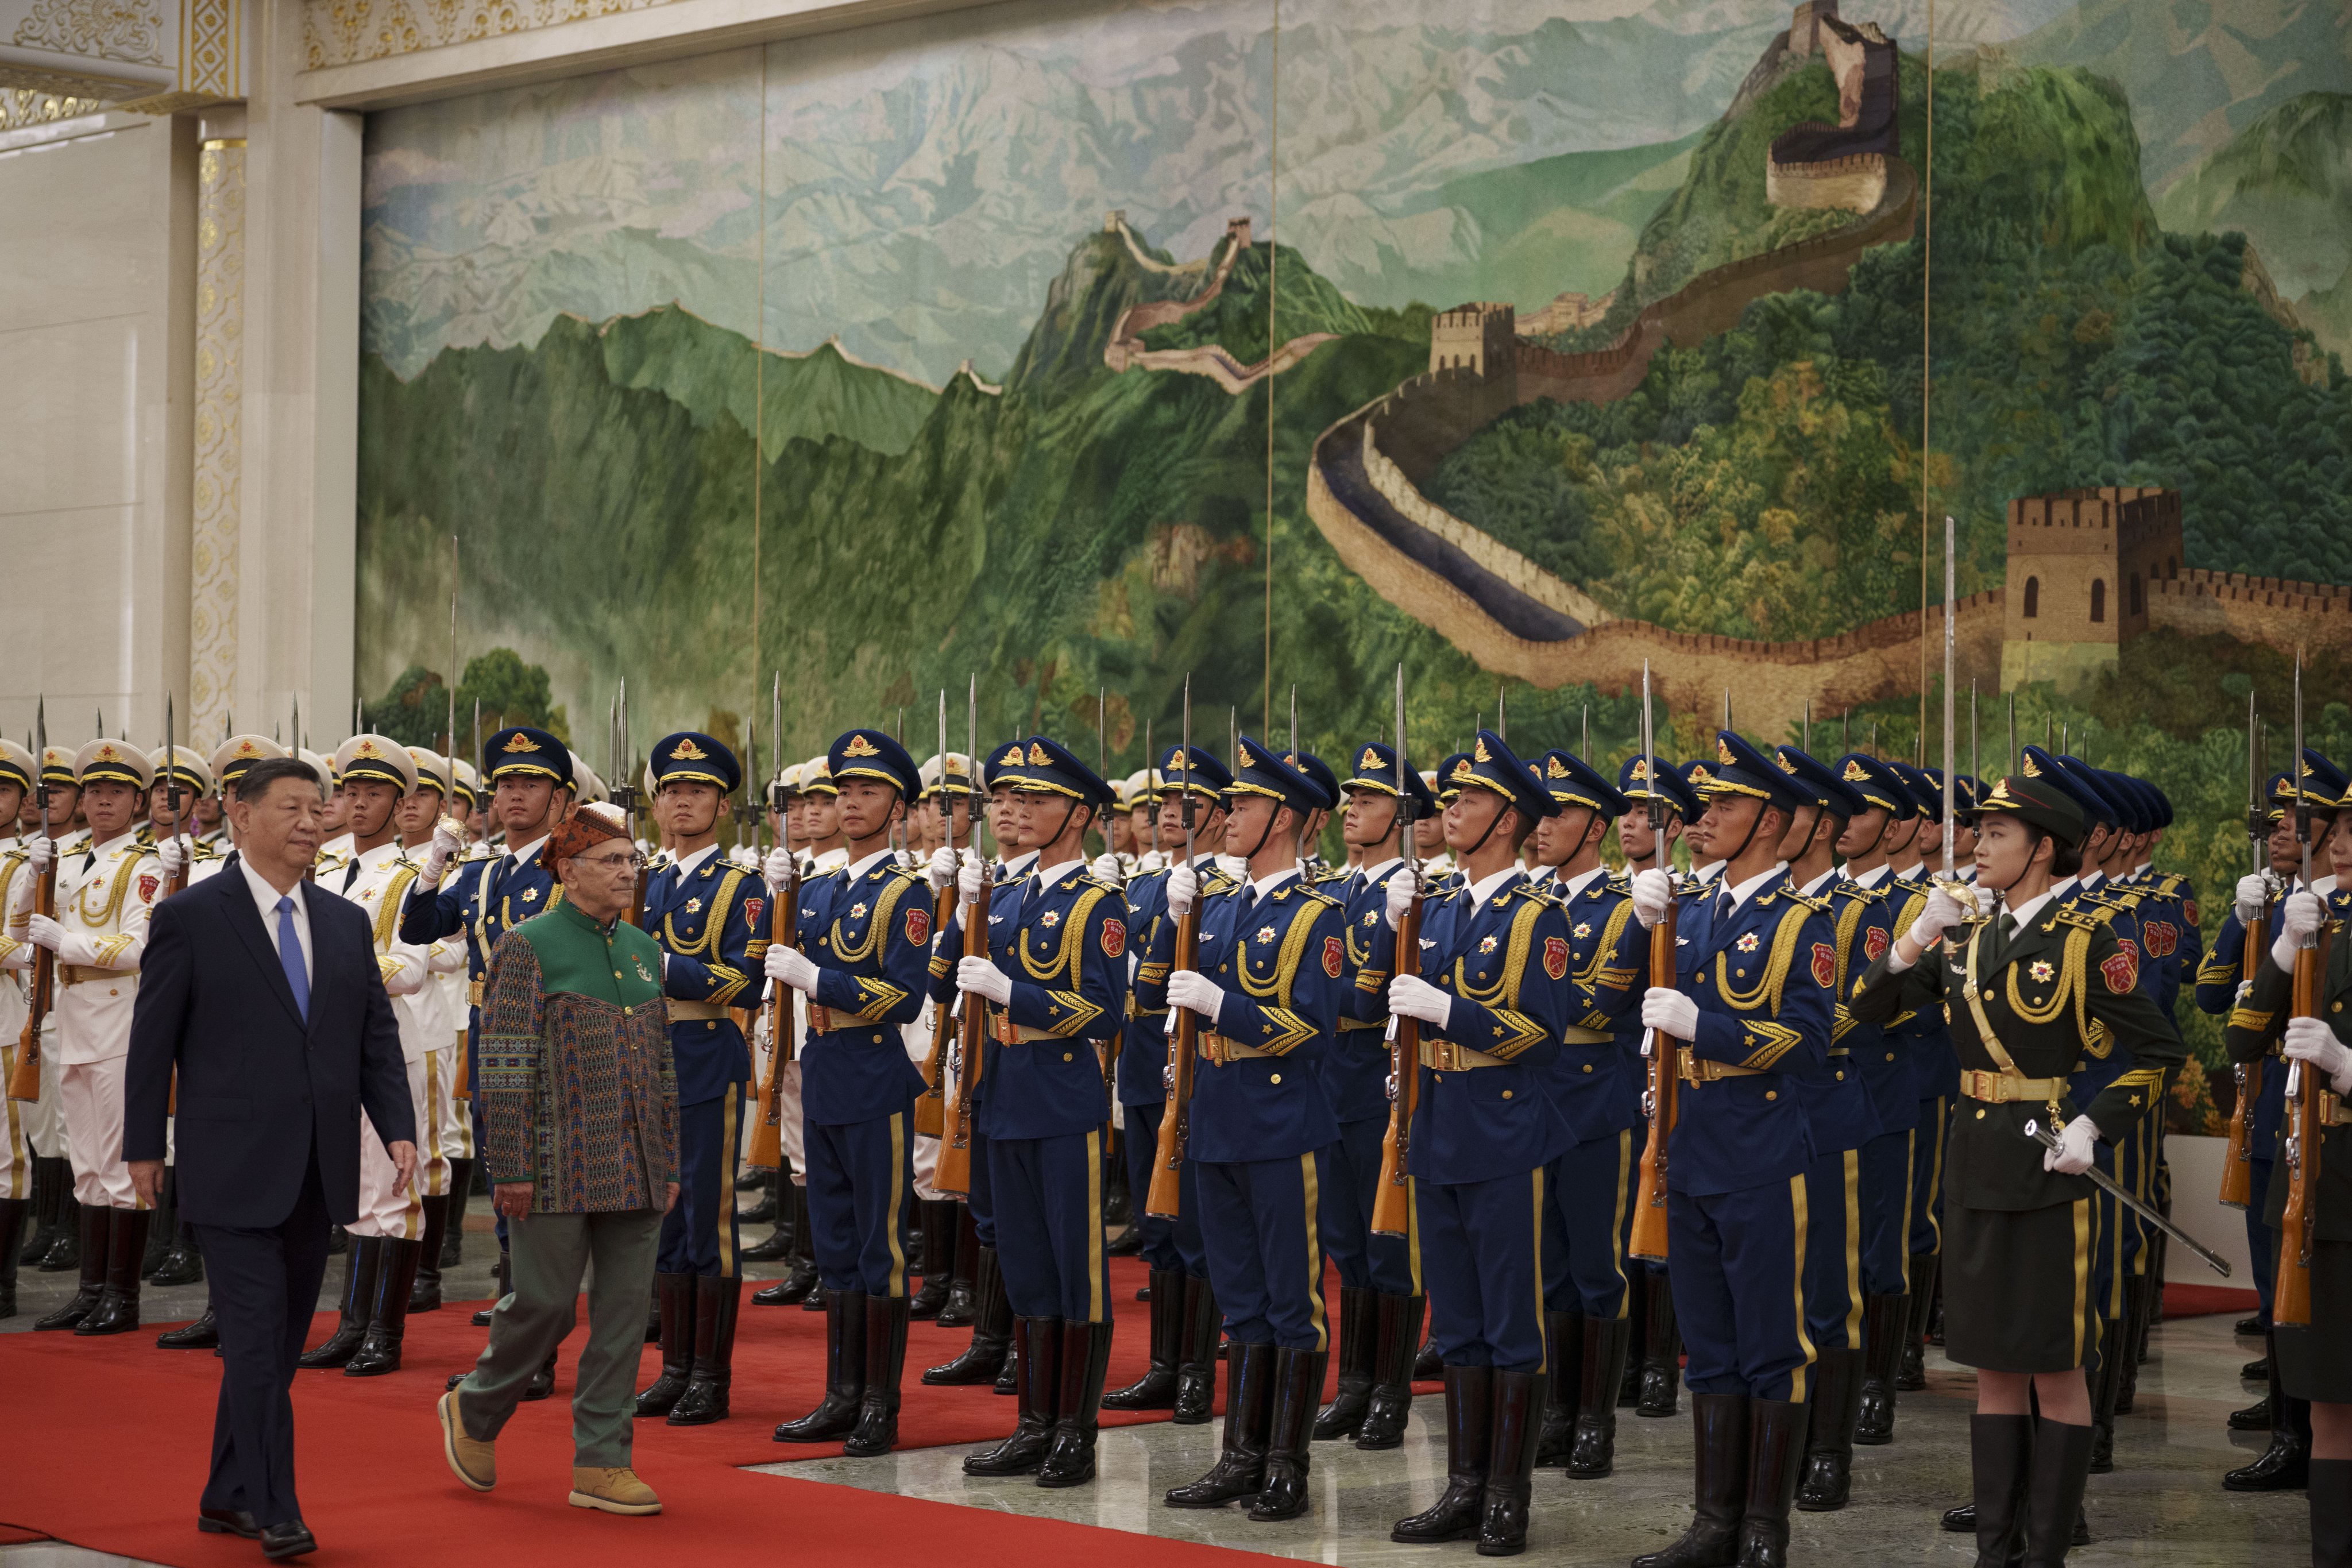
x=2207, y=1302
x=375, y=1489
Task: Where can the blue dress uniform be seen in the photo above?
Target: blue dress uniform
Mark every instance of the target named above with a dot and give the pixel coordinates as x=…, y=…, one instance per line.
x=1483, y=1136
x=1258, y=1125
x=1841, y=1117
x=1594, y=1080
x=1059, y=938
x=867, y=929
x=1760, y=961
x=1381, y=1299
x=705, y=914
x=1657, y=1344
x=1936, y=1074
x=1898, y=1287
x=1183, y=1377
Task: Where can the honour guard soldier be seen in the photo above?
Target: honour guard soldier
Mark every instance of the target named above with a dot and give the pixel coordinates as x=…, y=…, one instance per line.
x=2314, y=1368
x=1842, y=1121
x=1749, y=1020
x=444, y=1135
x=1491, y=988
x=862, y=960
x=705, y=912
x=1652, y=1386
x=105, y=891
x=948, y=795
x=172, y=1257
x=1380, y=1299
x=57, y=1241
x=1043, y=1106
x=1597, y=1089
x=792, y=856
x=2034, y=985
x=377, y=773
x=1185, y=1321
x=23, y=1181
x=1927, y=1047
x=1271, y=962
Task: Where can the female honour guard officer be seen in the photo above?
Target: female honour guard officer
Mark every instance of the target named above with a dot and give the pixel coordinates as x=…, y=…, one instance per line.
x=862, y=961
x=1748, y=1020
x=2314, y=1360
x=1271, y=958
x=2034, y=986
x=1043, y=1105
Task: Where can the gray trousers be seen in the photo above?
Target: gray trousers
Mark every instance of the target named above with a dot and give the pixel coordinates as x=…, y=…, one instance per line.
x=549, y=1254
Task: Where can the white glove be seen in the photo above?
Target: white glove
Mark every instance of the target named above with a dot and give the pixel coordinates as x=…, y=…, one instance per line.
x=2072, y=1155
x=443, y=849
x=42, y=851
x=1184, y=887
x=2299, y=917
x=942, y=870
x=1417, y=998
x=1670, y=1012
x=46, y=933
x=791, y=966
x=780, y=871
x=2309, y=1040
x=1400, y=892
x=982, y=978
x=2253, y=892
x=1942, y=913
x=972, y=879
x=1106, y=868
x=1189, y=989
x=173, y=853
x=1653, y=891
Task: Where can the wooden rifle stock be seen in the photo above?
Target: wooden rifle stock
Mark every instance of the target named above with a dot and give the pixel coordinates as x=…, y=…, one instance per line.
x=2291, y=1296
x=1649, y=1239
x=1393, y=1194
x=25, y=1083
x=954, y=1174
x=1183, y=1050
x=932, y=1105
x=2237, y=1163
x=767, y=1149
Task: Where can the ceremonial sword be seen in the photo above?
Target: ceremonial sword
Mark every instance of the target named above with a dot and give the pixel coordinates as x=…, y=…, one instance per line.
x=2106, y=1183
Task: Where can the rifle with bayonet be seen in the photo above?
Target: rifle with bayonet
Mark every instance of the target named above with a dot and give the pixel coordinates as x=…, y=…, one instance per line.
x=1392, y=1193
x=932, y=1105
x=1183, y=1025
x=767, y=1145
x=2298, y=1223
x=1659, y=1101
x=969, y=1016
x=2237, y=1160
x=25, y=1083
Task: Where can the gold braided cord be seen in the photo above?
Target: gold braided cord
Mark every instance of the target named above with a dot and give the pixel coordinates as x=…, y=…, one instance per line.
x=394, y=893
x=892, y=891
x=115, y=895
x=716, y=926
x=1286, y=960
x=1504, y=993
x=1610, y=932
x=2070, y=984
x=1070, y=955
x=1766, y=991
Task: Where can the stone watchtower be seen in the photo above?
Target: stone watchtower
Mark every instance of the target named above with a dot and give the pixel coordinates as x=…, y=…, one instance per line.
x=1480, y=340
x=2079, y=566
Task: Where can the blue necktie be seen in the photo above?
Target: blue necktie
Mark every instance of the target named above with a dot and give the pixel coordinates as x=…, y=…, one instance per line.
x=289, y=954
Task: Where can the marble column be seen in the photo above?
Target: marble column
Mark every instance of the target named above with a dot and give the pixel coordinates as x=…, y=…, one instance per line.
x=219, y=435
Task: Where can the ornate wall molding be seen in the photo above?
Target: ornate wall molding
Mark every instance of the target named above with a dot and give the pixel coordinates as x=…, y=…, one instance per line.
x=345, y=32
x=21, y=107
x=219, y=434
x=103, y=29
x=158, y=56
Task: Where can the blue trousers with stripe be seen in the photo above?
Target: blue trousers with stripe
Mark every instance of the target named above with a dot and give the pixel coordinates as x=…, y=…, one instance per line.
x=1265, y=1258
x=1738, y=1272
x=1482, y=1249
x=2122, y=1236
x=1049, y=1225
x=699, y=1237
x=1887, y=1204
x=1588, y=1214
x=861, y=1177
x=1833, y=1286
x=1167, y=1244
x=1352, y=1181
x=1927, y=1174
x=2262, y=1242
x=981, y=1199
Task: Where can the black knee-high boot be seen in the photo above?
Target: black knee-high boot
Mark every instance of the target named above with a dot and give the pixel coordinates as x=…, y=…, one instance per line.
x=1390, y=1406
x=1156, y=1389
x=715, y=1302
x=379, y=1351
x=1085, y=1360
x=90, y=1247
x=117, y=1312
x=358, y=1295
x=675, y=1293
x=1358, y=1332
x=1469, y=1443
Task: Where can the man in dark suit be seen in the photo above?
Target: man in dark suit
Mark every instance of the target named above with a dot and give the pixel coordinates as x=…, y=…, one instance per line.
x=262, y=992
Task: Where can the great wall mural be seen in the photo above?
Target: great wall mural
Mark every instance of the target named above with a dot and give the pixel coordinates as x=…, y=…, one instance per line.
x=1531, y=345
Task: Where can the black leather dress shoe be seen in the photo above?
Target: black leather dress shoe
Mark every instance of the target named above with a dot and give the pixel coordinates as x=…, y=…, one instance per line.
x=228, y=1522
x=291, y=1539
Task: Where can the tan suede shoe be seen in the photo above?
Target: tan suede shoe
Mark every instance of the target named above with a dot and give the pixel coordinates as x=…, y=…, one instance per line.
x=615, y=1490
x=475, y=1462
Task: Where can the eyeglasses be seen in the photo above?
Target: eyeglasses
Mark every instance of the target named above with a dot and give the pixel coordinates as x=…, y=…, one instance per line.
x=635, y=860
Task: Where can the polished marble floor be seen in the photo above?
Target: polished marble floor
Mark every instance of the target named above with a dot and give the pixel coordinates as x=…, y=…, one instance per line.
x=2163, y=1504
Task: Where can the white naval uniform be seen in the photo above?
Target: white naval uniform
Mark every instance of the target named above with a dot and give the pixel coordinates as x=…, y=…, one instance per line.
x=105, y=894
x=44, y=1124
x=16, y=1154
x=378, y=880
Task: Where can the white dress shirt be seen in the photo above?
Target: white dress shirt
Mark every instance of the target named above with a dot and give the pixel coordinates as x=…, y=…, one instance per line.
x=265, y=899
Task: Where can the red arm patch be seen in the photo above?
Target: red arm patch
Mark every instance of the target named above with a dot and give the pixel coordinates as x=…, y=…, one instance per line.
x=1335, y=955
x=147, y=886
x=1556, y=957
x=1873, y=944
x=2122, y=971
x=1824, y=965
x=753, y=908
x=918, y=926
x=2161, y=938
x=1114, y=938
x=2188, y=912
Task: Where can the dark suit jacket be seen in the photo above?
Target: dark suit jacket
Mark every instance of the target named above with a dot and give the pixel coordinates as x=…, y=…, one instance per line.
x=259, y=1087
